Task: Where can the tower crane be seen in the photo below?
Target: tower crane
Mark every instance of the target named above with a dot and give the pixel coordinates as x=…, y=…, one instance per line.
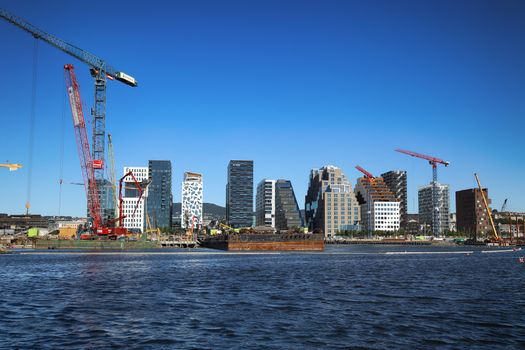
x=504, y=206
x=369, y=177
x=433, y=161
x=112, y=175
x=11, y=166
x=99, y=69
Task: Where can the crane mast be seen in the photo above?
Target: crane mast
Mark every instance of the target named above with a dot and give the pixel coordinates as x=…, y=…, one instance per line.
x=112, y=175
x=84, y=154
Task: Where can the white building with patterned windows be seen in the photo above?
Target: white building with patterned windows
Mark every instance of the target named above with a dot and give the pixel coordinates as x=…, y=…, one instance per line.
x=134, y=220
x=191, y=208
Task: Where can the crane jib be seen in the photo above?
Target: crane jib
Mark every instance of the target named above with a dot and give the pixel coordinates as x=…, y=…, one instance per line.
x=78, y=53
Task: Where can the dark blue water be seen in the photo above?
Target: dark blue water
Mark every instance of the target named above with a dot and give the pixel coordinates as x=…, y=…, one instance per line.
x=332, y=300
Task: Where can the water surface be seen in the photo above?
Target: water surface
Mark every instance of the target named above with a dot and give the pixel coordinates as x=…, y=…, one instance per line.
x=346, y=297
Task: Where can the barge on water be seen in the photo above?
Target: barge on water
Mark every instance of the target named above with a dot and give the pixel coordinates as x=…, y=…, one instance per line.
x=273, y=242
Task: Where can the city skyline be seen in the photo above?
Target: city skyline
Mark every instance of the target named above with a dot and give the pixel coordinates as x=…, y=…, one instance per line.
x=295, y=72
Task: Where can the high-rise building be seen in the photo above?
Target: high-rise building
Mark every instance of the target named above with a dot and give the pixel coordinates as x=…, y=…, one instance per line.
x=287, y=213
x=191, y=204
x=396, y=180
x=265, y=204
x=134, y=219
x=471, y=215
x=330, y=203
x=426, y=207
x=160, y=198
x=383, y=211
x=239, y=193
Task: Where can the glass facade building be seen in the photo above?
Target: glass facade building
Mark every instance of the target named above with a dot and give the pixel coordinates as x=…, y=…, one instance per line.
x=287, y=213
x=239, y=193
x=159, y=201
x=265, y=204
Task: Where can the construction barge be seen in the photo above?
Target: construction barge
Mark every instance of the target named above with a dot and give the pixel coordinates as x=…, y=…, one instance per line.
x=265, y=242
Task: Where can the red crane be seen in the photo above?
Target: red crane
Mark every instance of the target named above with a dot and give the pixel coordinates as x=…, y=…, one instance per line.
x=138, y=186
x=433, y=161
x=88, y=165
x=369, y=177
x=84, y=154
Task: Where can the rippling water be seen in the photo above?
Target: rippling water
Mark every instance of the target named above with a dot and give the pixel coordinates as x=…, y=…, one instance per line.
x=211, y=300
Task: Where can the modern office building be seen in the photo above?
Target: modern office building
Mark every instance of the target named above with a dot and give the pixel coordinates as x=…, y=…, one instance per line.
x=330, y=203
x=239, y=193
x=265, y=204
x=471, y=215
x=134, y=219
x=379, y=206
x=287, y=213
x=160, y=198
x=426, y=208
x=396, y=180
x=191, y=203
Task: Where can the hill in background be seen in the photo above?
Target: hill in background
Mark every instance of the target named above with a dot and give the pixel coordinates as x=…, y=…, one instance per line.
x=210, y=209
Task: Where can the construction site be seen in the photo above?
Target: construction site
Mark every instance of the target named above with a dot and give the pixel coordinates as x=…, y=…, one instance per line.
x=103, y=192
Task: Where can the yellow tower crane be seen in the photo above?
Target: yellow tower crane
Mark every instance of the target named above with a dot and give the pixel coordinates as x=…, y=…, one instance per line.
x=11, y=166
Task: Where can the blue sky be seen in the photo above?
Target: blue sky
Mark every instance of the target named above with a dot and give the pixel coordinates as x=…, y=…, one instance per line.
x=292, y=85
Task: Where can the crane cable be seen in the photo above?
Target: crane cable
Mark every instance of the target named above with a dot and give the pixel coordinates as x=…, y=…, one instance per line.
x=32, y=126
x=61, y=167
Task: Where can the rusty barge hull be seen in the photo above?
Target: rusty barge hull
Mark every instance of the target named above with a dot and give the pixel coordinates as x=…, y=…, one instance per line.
x=266, y=242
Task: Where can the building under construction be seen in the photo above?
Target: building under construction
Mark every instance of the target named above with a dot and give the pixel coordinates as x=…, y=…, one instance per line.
x=383, y=207
x=434, y=208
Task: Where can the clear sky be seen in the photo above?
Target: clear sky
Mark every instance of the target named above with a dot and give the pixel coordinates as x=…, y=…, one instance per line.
x=293, y=85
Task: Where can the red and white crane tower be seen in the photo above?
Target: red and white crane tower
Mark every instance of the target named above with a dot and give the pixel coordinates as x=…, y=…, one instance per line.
x=369, y=177
x=433, y=161
x=84, y=154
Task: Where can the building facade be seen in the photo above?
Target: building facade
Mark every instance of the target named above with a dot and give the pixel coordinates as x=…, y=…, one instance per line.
x=191, y=203
x=134, y=219
x=452, y=227
x=239, y=193
x=471, y=215
x=287, y=213
x=396, y=180
x=160, y=198
x=382, y=213
x=265, y=204
x=330, y=203
x=426, y=208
